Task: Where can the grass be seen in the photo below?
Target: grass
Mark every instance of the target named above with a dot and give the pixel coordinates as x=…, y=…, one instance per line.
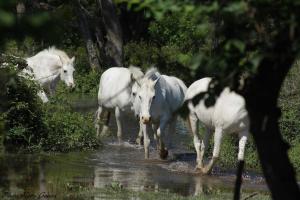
x=112, y=192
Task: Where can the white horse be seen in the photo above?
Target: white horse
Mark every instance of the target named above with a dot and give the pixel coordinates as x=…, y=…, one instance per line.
x=159, y=97
x=115, y=92
x=227, y=115
x=48, y=67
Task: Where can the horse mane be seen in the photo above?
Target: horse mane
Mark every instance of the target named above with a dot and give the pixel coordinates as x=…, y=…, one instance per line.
x=152, y=73
x=136, y=72
x=62, y=55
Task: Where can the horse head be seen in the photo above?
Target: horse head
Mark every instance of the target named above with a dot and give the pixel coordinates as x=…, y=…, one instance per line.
x=67, y=70
x=146, y=94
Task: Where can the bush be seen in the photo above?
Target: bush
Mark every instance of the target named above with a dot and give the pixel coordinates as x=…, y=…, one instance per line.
x=289, y=102
x=23, y=119
x=68, y=130
x=172, y=45
x=32, y=125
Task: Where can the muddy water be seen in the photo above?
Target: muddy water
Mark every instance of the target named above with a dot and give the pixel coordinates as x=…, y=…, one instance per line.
x=114, y=164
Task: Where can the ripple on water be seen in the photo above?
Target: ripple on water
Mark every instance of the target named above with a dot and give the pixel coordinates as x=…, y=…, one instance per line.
x=123, y=164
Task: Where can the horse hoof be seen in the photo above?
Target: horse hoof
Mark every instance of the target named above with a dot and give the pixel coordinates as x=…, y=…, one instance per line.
x=199, y=170
x=206, y=170
x=163, y=154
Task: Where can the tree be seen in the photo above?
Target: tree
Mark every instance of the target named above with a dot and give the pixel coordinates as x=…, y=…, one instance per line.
x=84, y=18
x=259, y=40
x=101, y=31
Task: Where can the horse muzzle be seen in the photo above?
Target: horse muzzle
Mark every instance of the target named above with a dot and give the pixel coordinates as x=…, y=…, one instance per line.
x=71, y=85
x=145, y=120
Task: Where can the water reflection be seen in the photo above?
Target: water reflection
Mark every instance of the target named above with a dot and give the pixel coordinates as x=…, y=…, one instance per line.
x=63, y=173
x=112, y=166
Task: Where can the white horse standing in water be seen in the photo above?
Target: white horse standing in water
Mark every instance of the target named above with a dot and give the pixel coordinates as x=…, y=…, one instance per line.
x=48, y=67
x=227, y=115
x=115, y=92
x=159, y=97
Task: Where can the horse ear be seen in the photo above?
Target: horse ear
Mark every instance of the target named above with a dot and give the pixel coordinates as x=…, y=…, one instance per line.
x=155, y=81
x=73, y=59
x=135, y=79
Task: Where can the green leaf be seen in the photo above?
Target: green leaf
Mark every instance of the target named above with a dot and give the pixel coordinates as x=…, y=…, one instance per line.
x=6, y=18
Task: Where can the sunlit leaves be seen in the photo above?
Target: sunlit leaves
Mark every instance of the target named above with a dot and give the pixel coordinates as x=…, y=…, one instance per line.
x=7, y=19
x=237, y=34
x=236, y=8
x=39, y=19
x=235, y=44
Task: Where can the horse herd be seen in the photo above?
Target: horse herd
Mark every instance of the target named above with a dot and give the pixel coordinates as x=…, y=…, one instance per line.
x=155, y=99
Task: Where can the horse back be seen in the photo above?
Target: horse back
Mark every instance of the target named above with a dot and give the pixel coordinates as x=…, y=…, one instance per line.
x=115, y=88
x=174, y=91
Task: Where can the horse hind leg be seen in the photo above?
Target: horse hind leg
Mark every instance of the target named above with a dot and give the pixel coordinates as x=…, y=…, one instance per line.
x=106, y=123
x=99, y=112
x=242, y=143
x=97, y=120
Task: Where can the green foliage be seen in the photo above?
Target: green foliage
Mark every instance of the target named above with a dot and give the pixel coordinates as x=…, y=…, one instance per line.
x=31, y=125
x=173, y=43
x=23, y=119
x=69, y=130
x=87, y=83
x=289, y=103
x=229, y=152
x=224, y=40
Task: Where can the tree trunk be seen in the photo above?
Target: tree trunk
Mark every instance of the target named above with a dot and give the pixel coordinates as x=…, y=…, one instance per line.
x=20, y=8
x=99, y=35
x=261, y=95
x=91, y=47
x=114, y=43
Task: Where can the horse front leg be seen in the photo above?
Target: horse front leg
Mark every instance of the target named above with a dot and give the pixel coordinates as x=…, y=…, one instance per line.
x=193, y=122
x=52, y=87
x=146, y=129
x=41, y=93
x=242, y=143
x=163, y=152
x=139, y=139
x=217, y=143
x=204, y=144
x=119, y=114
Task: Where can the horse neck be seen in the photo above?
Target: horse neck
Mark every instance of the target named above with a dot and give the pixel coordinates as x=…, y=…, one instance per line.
x=53, y=76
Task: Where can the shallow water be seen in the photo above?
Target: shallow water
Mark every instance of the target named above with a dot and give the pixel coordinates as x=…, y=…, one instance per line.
x=122, y=165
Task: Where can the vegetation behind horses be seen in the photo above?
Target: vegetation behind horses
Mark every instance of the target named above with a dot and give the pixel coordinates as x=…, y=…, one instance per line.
x=171, y=44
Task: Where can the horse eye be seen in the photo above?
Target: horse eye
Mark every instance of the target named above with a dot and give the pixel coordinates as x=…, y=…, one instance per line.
x=65, y=71
x=133, y=93
x=153, y=97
